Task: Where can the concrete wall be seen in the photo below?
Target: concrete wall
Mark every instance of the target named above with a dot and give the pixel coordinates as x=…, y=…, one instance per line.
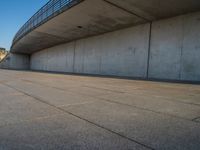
x=122, y=53
x=16, y=61
x=59, y=58
x=173, y=52
x=175, y=48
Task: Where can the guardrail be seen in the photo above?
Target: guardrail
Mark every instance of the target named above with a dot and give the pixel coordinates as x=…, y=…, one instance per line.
x=51, y=9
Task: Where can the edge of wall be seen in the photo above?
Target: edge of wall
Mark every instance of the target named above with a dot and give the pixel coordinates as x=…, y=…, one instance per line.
x=16, y=62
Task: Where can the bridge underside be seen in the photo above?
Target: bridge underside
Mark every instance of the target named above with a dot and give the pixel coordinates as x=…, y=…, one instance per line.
x=94, y=17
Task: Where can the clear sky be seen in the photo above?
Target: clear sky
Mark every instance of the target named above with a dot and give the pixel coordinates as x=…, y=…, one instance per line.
x=13, y=14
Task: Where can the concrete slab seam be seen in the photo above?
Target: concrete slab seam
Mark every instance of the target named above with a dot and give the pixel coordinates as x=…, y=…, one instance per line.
x=74, y=56
x=110, y=101
x=72, y=114
x=149, y=50
x=181, y=57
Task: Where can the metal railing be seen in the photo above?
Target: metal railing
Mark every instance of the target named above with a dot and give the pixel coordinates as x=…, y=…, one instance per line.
x=51, y=9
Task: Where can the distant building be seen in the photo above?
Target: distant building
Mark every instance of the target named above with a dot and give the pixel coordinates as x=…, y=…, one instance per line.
x=3, y=53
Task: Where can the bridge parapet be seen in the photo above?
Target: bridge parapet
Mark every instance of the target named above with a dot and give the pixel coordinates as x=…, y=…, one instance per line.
x=51, y=9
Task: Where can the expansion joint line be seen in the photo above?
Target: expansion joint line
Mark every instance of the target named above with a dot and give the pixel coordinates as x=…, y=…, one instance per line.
x=74, y=55
x=111, y=101
x=149, y=50
x=128, y=11
x=74, y=115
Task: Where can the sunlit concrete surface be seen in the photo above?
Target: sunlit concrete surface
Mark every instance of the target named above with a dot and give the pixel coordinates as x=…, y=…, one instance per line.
x=55, y=111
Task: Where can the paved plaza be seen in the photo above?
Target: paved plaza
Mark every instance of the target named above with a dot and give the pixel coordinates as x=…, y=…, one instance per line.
x=44, y=111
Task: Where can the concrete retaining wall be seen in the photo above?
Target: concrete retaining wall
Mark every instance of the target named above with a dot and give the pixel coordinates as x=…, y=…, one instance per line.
x=171, y=51
x=175, y=48
x=122, y=53
x=16, y=61
x=59, y=58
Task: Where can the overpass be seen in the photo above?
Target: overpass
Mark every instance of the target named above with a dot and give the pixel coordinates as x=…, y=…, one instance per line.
x=131, y=38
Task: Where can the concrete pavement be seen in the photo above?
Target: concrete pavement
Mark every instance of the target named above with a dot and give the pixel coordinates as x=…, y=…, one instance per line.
x=54, y=111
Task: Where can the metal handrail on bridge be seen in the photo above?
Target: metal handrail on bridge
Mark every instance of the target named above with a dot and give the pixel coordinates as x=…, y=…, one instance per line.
x=51, y=9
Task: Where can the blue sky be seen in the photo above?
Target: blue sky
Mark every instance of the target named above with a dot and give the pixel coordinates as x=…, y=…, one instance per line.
x=13, y=14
